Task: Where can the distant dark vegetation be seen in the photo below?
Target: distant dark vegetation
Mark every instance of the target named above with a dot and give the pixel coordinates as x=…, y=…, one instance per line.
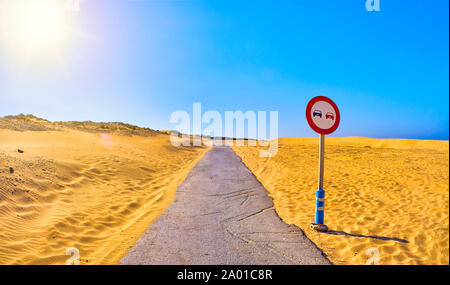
x=32, y=123
x=23, y=122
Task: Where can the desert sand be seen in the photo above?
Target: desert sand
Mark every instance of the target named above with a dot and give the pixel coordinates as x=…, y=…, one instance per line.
x=96, y=187
x=388, y=194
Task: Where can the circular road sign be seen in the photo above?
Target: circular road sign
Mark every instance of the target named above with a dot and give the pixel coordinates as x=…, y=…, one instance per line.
x=322, y=115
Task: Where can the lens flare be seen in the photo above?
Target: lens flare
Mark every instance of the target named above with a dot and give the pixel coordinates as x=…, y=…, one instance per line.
x=33, y=27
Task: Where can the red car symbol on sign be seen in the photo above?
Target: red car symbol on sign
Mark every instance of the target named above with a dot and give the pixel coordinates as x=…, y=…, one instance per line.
x=329, y=115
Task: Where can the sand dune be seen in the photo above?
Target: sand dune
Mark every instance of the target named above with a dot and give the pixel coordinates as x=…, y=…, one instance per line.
x=78, y=185
x=98, y=186
x=389, y=194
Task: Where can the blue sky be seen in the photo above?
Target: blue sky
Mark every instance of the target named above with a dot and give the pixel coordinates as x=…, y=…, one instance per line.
x=139, y=61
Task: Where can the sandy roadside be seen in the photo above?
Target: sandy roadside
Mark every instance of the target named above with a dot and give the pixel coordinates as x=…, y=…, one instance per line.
x=94, y=191
x=391, y=195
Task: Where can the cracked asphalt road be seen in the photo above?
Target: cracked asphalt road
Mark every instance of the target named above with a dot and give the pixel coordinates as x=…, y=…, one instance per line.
x=221, y=214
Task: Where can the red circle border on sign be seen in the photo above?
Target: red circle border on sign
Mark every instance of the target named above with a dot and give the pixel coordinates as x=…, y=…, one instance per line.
x=309, y=118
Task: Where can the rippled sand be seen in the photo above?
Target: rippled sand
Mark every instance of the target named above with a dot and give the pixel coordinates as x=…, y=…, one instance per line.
x=94, y=191
x=392, y=195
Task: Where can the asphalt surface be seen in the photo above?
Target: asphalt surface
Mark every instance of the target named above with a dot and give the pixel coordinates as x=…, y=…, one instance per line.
x=221, y=214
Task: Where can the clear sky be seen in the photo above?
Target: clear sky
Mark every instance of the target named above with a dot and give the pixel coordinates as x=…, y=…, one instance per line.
x=139, y=61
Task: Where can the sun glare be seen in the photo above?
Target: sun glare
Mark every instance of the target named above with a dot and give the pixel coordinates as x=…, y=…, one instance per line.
x=33, y=27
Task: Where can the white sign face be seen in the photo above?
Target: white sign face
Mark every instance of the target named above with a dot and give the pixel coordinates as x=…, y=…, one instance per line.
x=323, y=115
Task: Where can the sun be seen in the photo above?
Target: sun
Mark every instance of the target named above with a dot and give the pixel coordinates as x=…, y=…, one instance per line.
x=33, y=27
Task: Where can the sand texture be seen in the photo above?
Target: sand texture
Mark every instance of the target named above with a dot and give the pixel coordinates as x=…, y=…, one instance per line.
x=392, y=195
x=96, y=187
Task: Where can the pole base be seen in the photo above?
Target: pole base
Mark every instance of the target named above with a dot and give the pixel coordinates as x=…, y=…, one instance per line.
x=319, y=227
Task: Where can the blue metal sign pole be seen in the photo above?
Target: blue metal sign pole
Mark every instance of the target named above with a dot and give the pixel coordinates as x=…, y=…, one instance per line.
x=320, y=194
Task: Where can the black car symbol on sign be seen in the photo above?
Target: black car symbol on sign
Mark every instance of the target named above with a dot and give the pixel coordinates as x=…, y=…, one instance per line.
x=317, y=113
